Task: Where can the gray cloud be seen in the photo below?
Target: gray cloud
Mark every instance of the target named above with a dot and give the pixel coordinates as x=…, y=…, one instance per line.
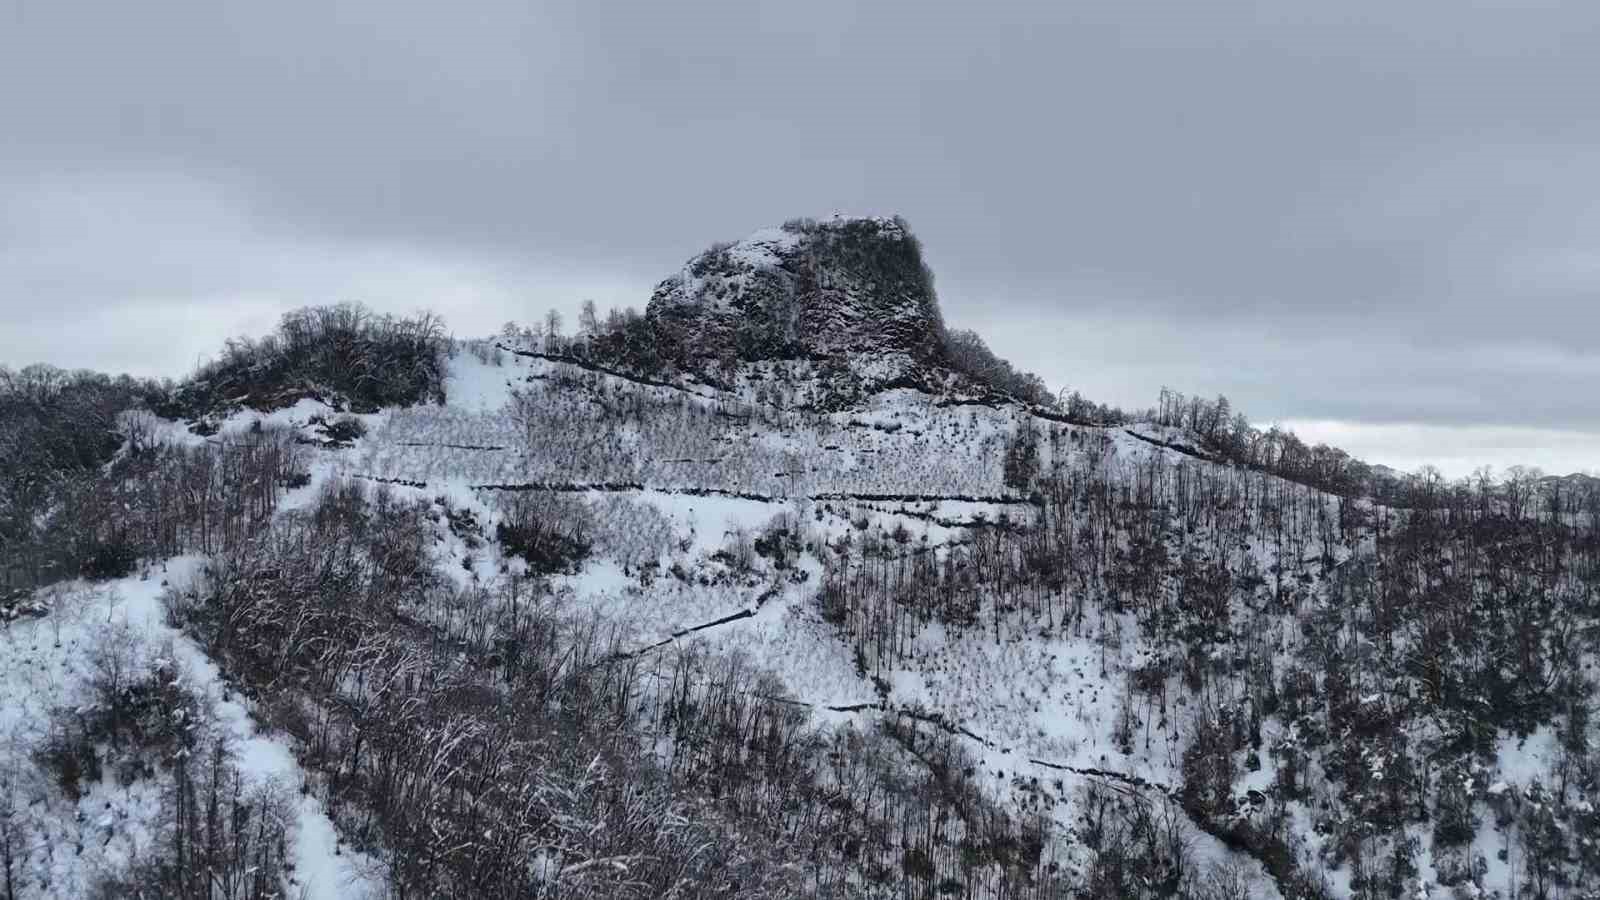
x=1365, y=211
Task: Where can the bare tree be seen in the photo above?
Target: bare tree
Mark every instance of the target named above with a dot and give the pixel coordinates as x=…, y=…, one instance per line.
x=588, y=320
x=552, y=330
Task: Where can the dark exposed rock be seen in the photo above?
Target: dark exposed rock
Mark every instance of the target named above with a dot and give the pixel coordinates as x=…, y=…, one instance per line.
x=852, y=295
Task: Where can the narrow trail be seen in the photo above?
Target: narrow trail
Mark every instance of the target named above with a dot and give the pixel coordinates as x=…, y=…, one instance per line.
x=822, y=497
x=400, y=482
x=1185, y=449
x=588, y=366
x=937, y=720
x=620, y=487
x=450, y=446
x=1130, y=784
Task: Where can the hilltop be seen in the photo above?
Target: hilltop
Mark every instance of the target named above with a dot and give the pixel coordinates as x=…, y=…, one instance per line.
x=854, y=291
x=844, y=305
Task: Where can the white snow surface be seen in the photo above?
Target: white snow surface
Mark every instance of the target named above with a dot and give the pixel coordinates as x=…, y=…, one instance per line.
x=45, y=664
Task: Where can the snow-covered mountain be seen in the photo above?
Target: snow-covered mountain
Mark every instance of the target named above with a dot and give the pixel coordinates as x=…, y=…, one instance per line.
x=585, y=628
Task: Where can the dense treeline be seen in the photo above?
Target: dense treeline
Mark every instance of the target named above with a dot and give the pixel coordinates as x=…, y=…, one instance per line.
x=56, y=420
x=966, y=352
x=1475, y=619
x=57, y=429
x=157, y=500
x=58, y=511
x=1227, y=433
x=345, y=355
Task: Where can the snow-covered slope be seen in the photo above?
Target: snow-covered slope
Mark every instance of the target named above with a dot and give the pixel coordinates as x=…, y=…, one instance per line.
x=1037, y=698
x=788, y=616
x=883, y=565
x=71, y=841
x=1076, y=687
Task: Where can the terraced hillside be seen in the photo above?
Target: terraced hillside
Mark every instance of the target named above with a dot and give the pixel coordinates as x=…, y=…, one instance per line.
x=565, y=624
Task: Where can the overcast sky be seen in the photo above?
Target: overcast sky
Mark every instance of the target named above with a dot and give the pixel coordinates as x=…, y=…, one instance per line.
x=1377, y=222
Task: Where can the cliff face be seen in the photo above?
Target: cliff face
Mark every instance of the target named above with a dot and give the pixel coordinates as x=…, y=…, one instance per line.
x=849, y=293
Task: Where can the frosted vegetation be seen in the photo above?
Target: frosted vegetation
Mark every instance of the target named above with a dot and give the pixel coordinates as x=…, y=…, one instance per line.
x=522, y=617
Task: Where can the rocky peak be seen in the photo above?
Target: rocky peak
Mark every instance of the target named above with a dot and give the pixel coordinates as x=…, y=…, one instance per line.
x=850, y=292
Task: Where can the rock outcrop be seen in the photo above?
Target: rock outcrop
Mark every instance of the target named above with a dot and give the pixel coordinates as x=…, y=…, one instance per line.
x=851, y=294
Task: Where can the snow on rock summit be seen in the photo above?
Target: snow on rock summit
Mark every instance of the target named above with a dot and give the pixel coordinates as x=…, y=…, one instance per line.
x=851, y=291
